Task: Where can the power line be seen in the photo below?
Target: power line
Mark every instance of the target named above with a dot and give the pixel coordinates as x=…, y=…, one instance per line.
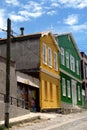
x=3, y=30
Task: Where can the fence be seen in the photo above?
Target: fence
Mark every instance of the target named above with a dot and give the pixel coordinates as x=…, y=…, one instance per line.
x=14, y=101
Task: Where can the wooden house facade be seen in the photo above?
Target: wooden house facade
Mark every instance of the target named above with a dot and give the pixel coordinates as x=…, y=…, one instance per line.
x=70, y=72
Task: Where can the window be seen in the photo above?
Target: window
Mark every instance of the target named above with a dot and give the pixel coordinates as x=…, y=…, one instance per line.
x=63, y=87
x=79, y=97
x=68, y=88
x=55, y=61
x=45, y=90
x=49, y=57
x=72, y=63
x=67, y=59
x=62, y=56
x=44, y=54
x=77, y=67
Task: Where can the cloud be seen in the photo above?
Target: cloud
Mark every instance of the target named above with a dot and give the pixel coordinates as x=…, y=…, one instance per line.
x=52, y=12
x=2, y=19
x=28, y=14
x=55, y=4
x=17, y=18
x=31, y=10
x=33, y=6
x=71, y=19
x=12, y=2
x=80, y=4
x=80, y=27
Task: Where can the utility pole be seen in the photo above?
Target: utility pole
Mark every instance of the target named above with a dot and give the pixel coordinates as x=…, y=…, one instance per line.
x=7, y=73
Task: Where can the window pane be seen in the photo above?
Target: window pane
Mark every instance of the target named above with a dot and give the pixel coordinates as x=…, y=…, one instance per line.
x=55, y=61
x=44, y=54
x=49, y=57
x=72, y=63
x=67, y=59
x=77, y=67
x=63, y=87
x=79, y=97
x=62, y=56
x=68, y=88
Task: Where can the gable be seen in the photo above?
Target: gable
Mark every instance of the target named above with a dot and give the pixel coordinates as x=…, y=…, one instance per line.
x=50, y=41
x=69, y=45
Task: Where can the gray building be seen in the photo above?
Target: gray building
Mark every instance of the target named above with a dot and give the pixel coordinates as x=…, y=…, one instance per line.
x=24, y=50
x=84, y=77
x=13, y=82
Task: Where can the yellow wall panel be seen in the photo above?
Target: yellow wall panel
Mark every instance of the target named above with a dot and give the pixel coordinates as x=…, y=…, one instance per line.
x=54, y=101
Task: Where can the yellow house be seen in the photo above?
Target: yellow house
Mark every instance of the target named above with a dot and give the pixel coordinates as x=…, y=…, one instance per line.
x=49, y=73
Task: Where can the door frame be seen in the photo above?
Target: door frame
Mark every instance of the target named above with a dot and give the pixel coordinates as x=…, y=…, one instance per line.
x=74, y=93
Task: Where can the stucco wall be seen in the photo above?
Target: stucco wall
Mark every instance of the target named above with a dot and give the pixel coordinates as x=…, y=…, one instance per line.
x=13, y=82
x=25, y=53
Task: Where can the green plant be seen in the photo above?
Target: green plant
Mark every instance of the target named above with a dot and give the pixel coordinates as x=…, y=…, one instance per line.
x=3, y=127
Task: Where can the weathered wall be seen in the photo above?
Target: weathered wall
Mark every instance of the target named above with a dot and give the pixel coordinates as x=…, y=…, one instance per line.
x=25, y=53
x=13, y=82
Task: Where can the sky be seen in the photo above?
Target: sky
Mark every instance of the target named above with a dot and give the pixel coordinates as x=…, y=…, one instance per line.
x=57, y=16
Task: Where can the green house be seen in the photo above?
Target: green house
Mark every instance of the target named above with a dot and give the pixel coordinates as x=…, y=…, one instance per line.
x=70, y=72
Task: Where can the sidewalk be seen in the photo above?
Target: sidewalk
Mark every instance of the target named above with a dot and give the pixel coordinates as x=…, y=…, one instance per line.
x=31, y=116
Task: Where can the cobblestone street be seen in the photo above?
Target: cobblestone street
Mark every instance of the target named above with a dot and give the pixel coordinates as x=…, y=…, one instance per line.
x=74, y=121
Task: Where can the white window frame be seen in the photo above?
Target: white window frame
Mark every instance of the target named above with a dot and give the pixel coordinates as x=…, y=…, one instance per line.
x=62, y=56
x=72, y=63
x=79, y=96
x=49, y=57
x=68, y=89
x=77, y=67
x=67, y=59
x=63, y=87
x=55, y=61
x=44, y=53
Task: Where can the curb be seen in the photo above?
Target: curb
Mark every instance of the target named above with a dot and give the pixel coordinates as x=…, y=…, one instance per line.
x=15, y=121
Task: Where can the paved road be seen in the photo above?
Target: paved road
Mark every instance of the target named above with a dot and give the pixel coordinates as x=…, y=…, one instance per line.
x=76, y=121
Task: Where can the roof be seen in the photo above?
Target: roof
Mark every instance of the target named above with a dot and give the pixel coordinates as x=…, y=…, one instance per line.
x=74, y=42
x=83, y=55
x=30, y=36
x=21, y=37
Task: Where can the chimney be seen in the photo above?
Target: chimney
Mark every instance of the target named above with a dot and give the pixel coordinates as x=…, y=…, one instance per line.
x=22, y=30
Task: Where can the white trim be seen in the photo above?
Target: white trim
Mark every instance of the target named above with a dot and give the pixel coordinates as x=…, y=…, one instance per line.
x=49, y=73
x=70, y=75
x=32, y=81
